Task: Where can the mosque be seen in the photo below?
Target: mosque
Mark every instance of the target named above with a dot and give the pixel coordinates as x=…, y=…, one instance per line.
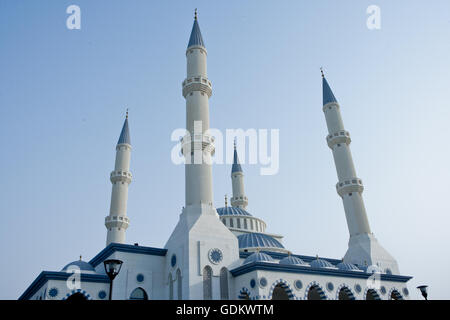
x=226, y=253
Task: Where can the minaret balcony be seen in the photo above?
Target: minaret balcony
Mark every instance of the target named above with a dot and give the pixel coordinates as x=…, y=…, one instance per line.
x=204, y=142
x=349, y=186
x=122, y=176
x=338, y=137
x=117, y=222
x=197, y=83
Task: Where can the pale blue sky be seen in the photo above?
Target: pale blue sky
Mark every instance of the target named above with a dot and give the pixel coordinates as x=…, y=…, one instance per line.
x=63, y=95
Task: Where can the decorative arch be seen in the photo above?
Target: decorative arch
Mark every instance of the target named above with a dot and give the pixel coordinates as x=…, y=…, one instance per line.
x=224, y=292
x=283, y=284
x=244, y=294
x=207, y=283
x=371, y=294
x=139, y=294
x=315, y=285
x=179, y=285
x=346, y=289
x=394, y=294
x=170, y=286
x=78, y=293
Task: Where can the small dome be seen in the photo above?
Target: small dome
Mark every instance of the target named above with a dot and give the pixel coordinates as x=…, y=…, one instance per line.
x=232, y=211
x=258, y=257
x=84, y=266
x=347, y=267
x=320, y=263
x=258, y=240
x=291, y=260
x=373, y=269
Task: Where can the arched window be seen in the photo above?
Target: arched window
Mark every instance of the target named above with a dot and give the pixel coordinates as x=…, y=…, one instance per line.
x=238, y=223
x=316, y=293
x=139, y=294
x=395, y=295
x=346, y=294
x=245, y=224
x=77, y=297
x=170, y=287
x=372, y=295
x=224, y=284
x=179, y=287
x=231, y=223
x=207, y=283
x=279, y=293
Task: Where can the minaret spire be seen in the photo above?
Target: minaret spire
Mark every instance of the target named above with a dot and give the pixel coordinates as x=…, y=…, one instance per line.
x=239, y=198
x=117, y=222
x=362, y=245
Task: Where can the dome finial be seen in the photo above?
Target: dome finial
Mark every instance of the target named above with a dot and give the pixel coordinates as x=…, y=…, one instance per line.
x=195, y=14
x=80, y=257
x=126, y=114
x=321, y=71
x=226, y=201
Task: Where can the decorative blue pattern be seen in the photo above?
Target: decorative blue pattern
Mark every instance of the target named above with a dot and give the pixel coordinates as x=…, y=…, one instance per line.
x=83, y=292
x=53, y=292
x=215, y=255
x=285, y=285
x=244, y=293
x=358, y=288
x=263, y=282
x=405, y=291
x=125, y=134
x=140, y=277
x=330, y=286
x=102, y=294
x=196, y=38
x=258, y=240
x=257, y=257
x=252, y=283
x=328, y=95
x=232, y=211
x=298, y=284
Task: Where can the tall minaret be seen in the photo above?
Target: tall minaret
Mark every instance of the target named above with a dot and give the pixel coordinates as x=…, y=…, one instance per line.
x=364, y=249
x=198, y=147
x=117, y=221
x=200, y=246
x=239, y=198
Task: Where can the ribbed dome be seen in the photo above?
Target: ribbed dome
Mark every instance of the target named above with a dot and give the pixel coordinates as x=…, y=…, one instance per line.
x=258, y=257
x=347, y=267
x=232, y=211
x=320, y=263
x=84, y=266
x=258, y=240
x=291, y=260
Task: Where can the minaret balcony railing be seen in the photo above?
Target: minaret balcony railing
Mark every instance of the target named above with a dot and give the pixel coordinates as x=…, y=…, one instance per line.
x=197, y=83
x=204, y=142
x=122, y=176
x=117, y=222
x=338, y=137
x=349, y=186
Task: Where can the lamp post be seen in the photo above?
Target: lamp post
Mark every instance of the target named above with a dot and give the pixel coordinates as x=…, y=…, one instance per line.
x=112, y=268
x=423, y=291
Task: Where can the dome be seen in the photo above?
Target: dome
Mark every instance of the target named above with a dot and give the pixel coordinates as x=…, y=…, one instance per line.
x=83, y=265
x=291, y=260
x=258, y=257
x=347, y=267
x=320, y=263
x=373, y=269
x=232, y=211
x=258, y=240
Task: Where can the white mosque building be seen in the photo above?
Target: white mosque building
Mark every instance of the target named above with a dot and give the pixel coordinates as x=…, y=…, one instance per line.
x=226, y=253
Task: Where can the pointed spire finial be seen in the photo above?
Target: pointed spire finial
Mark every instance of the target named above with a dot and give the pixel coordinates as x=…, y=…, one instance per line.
x=126, y=114
x=226, y=201
x=195, y=14
x=321, y=71
x=80, y=257
x=234, y=143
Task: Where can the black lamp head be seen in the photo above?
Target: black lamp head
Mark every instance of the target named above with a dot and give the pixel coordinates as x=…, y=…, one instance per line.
x=423, y=291
x=112, y=267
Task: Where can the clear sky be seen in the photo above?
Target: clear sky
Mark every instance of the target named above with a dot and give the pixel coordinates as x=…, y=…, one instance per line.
x=63, y=95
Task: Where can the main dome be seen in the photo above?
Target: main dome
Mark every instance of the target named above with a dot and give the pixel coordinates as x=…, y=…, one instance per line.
x=258, y=240
x=232, y=211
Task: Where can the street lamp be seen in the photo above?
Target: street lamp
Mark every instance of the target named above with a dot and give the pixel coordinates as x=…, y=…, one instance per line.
x=423, y=291
x=112, y=268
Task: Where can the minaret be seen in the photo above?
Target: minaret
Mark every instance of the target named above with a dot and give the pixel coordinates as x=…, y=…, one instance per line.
x=239, y=198
x=198, y=145
x=363, y=247
x=200, y=245
x=117, y=222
